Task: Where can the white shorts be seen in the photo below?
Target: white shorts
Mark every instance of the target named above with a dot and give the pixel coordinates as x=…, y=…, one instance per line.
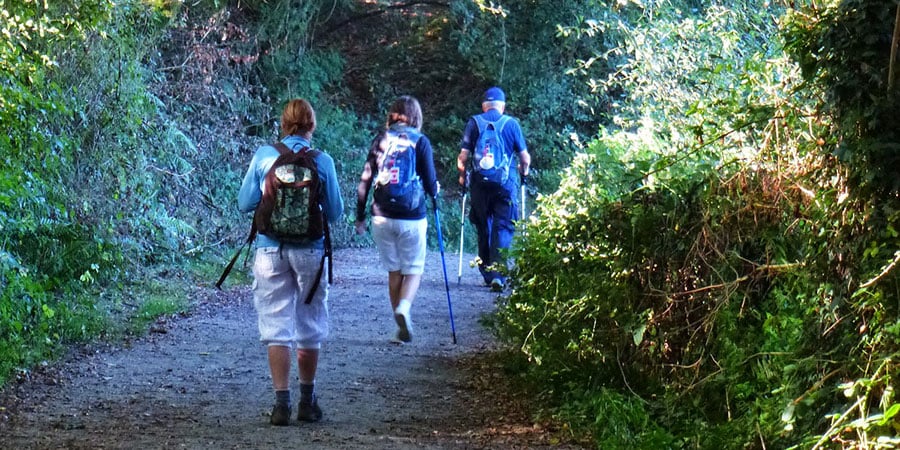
x=401, y=244
x=283, y=278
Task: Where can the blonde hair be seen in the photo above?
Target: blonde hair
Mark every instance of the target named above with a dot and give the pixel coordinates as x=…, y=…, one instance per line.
x=406, y=109
x=298, y=118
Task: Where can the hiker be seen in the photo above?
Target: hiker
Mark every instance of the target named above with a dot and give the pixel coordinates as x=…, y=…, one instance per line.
x=490, y=140
x=400, y=165
x=286, y=273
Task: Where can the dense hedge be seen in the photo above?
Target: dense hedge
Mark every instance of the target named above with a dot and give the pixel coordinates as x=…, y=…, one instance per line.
x=720, y=278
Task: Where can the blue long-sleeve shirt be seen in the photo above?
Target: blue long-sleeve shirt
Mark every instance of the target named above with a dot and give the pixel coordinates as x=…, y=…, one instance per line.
x=254, y=183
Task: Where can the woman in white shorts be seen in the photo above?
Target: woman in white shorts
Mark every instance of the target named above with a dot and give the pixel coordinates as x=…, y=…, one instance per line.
x=290, y=295
x=400, y=167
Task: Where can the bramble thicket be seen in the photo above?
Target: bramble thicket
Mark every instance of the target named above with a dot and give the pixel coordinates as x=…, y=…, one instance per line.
x=710, y=258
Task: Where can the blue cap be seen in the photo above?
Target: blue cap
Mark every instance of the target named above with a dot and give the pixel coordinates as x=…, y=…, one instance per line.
x=494, y=94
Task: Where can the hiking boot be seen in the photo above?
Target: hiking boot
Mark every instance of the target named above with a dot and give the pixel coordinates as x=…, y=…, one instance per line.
x=309, y=411
x=281, y=414
x=497, y=285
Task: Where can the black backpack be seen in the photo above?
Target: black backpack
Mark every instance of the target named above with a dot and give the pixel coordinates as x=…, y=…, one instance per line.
x=290, y=210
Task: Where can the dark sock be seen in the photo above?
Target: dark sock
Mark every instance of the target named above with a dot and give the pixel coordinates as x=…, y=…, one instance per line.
x=306, y=393
x=283, y=397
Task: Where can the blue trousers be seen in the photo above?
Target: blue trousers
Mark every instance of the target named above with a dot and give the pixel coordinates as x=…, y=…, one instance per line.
x=493, y=213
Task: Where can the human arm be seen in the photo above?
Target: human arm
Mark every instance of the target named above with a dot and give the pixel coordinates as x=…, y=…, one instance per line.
x=362, y=194
x=251, y=187
x=365, y=184
x=461, y=161
x=466, y=145
x=425, y=166
x=524, y=163
x=332, y=203
x=521, y=148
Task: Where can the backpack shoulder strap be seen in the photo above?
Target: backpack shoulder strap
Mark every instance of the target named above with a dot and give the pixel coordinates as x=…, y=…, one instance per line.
x=248, y=243
x=282, y=149
x=501, y=122
x=327, y=254
x=480, y=123
x=412, y=136
x=285, y=150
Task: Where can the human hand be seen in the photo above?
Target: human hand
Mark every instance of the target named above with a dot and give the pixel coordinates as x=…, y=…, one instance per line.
x=360, y=227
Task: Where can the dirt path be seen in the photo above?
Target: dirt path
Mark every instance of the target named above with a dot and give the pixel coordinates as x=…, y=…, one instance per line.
x=202, y=382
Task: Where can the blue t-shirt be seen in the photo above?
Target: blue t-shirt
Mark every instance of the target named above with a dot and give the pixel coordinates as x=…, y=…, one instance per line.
x=255, y=178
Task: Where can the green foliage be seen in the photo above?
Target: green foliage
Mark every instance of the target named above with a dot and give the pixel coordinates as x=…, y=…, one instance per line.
x=45, y=248
x=158, y=305
x=83, y=199
x=703, y=258
x=613, y=419
x=847, y=47
x=35, y=323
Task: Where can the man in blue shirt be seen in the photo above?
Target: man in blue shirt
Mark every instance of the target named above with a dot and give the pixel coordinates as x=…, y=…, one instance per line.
x=494, y=203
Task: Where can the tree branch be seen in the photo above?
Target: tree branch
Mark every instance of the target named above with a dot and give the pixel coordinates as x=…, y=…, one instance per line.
x=894, y=42
x=381, y=11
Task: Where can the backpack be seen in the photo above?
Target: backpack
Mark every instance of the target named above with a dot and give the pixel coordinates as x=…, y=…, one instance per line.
x=290, y=209
x=491, y=160
x=398, y=187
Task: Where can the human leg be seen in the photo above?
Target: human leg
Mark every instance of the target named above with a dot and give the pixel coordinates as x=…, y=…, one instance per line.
x=312, y=328
x=411, y=235
x=273, y=297
x=280, y=366
x=308, y=408
x=385, y=236
x=395, y=285
x=411, y=249
x=502, y=216
x=308, y=363
x=478, y=215
x=409, y=286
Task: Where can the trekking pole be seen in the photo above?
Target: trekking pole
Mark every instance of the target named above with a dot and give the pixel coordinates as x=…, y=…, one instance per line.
x=462, y=228
x=440, y=236
x=524, y=182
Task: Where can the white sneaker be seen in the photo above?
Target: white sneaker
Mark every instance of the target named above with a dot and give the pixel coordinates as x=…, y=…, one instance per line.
x=404, y=323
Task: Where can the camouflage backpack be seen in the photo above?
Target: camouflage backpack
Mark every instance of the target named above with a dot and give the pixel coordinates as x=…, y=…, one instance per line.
x=289, y=210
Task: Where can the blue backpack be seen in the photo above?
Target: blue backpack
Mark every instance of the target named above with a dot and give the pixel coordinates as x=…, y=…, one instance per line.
x=398, y=187
x=491, y=162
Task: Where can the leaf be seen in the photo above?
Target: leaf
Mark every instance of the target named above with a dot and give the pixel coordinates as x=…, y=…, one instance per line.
x=889, y=414
x=638, y=334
